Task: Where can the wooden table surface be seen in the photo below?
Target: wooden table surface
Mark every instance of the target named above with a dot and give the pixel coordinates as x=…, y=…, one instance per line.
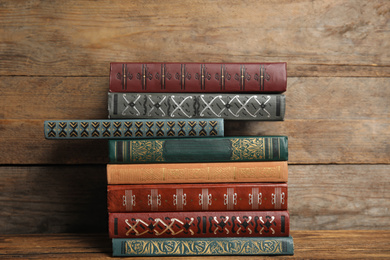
x=351, y=244
x=54, y=65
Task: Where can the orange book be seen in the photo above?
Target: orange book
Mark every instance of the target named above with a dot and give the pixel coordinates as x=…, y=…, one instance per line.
x=273, y=171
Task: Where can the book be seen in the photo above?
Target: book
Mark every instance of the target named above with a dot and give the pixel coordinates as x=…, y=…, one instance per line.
x=214, y=246
x=127, y=128
x=198, y=77
x=213, y=172
x=199, y=224
x=197, y=197
x=190, y=105
x=211, y=149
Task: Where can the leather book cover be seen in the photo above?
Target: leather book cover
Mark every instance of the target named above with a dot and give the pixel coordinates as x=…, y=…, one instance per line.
x=211, y=149
x=214, y=172
x=208, y=246
x=132, y=129
x=199, y=224
x=197, y=197
x=198, y=77
x=210, y=105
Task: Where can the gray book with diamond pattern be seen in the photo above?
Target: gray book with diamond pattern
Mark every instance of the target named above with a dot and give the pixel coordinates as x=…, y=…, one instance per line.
x=178, y=105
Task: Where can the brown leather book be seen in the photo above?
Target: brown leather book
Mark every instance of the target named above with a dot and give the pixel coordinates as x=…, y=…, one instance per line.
x=267, y=171
x=199, y=224
x=198, y=77
x=197, y=197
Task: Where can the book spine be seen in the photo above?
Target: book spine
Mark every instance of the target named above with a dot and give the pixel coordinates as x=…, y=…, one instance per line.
x=198, y=78
x=237, y=172
x=133, y=129
x=219, y=149
x=199, y=224
x=215, y=246
x=197, y=197
x=210, y=105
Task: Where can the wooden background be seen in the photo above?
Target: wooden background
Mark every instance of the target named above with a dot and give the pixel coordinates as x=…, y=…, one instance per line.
x=54, y=64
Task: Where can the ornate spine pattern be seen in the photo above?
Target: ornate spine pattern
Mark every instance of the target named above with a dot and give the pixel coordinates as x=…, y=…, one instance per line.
x=202, y=246
x=223, y=149
x=236, y=172
x=132, y=129
x=199, y=224
x=178, y=105
x=197, y=197
x=198, y=78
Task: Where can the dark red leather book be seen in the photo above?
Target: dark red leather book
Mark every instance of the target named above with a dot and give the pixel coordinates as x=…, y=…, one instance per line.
x=199, y=224
x=198, y=77
x=197, y=197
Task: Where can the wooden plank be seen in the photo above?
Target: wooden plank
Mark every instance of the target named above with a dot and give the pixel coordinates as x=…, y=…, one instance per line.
x=61, y=199
x=53, y=97
x=332, y=38
x=335, y=197
x=356, y=244
x=86, y=98
x=23, y=142
x=53, y=199
x=310, y=142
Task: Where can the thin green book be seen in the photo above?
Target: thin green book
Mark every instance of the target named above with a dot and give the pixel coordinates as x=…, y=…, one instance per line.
x=213, y=149
x=217, y=246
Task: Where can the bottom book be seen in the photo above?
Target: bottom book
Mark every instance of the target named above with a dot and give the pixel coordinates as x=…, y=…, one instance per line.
x=203, y=246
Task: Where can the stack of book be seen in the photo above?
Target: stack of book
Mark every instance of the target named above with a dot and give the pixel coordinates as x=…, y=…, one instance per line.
x=176, y=184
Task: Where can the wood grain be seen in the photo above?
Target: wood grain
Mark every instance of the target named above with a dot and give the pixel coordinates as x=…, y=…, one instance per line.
x=354, y=244
x=54, y=64
x=78, y=38
x=310, y=142
x=72, y=199
x=54, y=199
x=328, y=120
x=86, y=98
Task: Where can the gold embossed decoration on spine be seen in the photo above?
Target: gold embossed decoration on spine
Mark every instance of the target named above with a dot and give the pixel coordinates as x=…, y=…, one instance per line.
x=203, y=247
x=248, y=148
x=146, y=151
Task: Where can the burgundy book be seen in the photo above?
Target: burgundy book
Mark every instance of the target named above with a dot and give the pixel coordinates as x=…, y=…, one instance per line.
x=198, y=77
x=199, y=224
x=197, y=197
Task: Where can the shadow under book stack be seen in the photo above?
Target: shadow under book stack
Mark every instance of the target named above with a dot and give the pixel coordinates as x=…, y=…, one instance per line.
x=176, y=184
x=184, y=188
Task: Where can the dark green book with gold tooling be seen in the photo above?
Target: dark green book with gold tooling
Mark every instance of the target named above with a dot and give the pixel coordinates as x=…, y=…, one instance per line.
x=214, y=246
x=133, y=129
x=212, y=149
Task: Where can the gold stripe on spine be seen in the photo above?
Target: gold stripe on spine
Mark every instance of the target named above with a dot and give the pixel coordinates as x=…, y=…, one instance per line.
x=183, y=76
x=255, y=200
x=153, y=199
x=202, y=72
x=128, y=200
x=230, y=199
x=248, y=148
x=262, y=77
x=242, y=77
x=277, y=198
x=179, y=199
x=223, y=76
x=124, y=66
x=162, y=76
x=205, y=199
x=144, y=76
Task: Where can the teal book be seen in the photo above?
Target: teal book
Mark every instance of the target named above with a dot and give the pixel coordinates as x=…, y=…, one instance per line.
x=217, y=246
x=195, y=105
x=133, y=129
x=212, y=149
